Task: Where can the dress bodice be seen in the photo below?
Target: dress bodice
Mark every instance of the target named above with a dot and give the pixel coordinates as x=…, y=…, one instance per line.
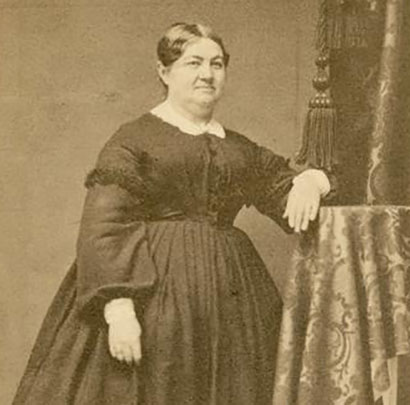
x=174, y=174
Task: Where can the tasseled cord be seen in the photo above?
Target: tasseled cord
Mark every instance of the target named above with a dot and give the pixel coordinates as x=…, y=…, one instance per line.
x=342, y=24
x=319, y=132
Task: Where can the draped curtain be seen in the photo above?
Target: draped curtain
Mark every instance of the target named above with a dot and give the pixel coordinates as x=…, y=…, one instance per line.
x=369, y=47
x=346, y=320
x=389, y=166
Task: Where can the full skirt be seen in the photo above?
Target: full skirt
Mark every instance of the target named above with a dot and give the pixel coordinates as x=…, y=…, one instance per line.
x=210, y=330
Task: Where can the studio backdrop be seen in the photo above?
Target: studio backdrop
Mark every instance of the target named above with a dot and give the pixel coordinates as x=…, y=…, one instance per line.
x=72, y=71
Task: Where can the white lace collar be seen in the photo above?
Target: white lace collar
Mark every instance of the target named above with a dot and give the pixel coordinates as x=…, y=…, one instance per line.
x=168, y=114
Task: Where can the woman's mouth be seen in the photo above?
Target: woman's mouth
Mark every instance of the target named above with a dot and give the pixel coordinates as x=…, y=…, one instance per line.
x=207, y=88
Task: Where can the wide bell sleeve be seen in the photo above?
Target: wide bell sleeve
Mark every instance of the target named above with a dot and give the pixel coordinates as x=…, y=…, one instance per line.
x=272, y=183
x=113, y=253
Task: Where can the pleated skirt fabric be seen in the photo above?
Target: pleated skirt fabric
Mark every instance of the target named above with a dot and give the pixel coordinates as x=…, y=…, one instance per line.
x=210, y=331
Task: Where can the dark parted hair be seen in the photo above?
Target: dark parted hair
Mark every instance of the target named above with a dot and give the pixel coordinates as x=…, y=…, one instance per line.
x=172, y=45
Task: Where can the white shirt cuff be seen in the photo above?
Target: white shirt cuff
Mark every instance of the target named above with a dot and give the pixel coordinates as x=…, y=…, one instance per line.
x=318, y=177
x=119, y=309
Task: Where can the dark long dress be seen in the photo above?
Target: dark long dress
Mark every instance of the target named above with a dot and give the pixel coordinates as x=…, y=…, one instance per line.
x=158, y=227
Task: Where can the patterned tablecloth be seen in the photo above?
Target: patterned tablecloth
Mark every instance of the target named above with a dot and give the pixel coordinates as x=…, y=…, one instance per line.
x=346, y=308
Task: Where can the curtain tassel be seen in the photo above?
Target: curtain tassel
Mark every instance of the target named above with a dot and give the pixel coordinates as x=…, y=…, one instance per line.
x=319, y=131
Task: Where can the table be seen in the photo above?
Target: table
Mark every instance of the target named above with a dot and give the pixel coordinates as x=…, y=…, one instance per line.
x=346, y=309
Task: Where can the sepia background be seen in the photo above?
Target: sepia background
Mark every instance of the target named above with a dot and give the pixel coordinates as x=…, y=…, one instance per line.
x=72, y=71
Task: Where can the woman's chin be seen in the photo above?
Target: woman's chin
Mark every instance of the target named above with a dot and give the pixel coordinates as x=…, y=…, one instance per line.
x=207, y=99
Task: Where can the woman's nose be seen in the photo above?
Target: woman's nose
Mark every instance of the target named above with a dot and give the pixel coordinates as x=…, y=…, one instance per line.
x=205, y=71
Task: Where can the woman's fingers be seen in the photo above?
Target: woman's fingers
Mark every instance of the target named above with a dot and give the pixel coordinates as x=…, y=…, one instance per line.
x=294, y=210
x=124, y=340
x=136, y=351
x=310, y=213
x=122, y=352
x=302, y=206
x=299, y=211
x=314, y=210
x=127, y=352
x=289, y=202
x=118, y=354
x=290, y=210
x=305, y=217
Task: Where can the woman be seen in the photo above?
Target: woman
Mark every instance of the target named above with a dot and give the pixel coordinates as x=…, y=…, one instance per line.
x=168, y=302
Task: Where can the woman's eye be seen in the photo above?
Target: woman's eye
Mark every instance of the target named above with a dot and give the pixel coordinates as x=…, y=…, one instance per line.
x=218, y=65
x=193, y=63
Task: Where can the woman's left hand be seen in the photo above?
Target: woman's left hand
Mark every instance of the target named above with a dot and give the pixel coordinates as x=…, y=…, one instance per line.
x=302, y=205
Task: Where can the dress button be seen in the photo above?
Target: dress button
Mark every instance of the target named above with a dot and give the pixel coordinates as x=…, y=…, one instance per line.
x=213, y=216
x=213, y=206
x=211, y=146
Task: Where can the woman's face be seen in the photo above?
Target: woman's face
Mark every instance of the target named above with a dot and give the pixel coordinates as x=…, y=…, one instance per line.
x=197, y=78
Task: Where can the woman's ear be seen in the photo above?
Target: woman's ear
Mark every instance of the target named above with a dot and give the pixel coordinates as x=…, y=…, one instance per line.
x=162, y=72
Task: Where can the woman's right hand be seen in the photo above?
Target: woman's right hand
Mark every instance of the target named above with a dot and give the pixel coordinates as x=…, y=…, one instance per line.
x=124, y=339
x=124, y=330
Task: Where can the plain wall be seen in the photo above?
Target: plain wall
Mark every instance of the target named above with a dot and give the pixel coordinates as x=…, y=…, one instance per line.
x=70, y=73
